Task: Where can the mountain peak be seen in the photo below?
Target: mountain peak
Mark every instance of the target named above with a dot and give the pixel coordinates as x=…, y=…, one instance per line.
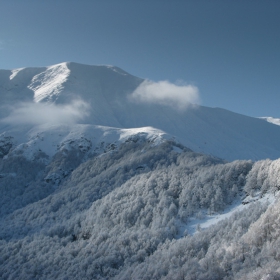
x=105, y=90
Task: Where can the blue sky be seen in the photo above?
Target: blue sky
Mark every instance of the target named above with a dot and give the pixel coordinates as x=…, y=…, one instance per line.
x=229, y=49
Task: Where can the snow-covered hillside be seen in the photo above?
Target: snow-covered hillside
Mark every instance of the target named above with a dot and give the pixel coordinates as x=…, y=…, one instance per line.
x=49, y=139
x=106, y=90
x=146, y=209
x=97, y=185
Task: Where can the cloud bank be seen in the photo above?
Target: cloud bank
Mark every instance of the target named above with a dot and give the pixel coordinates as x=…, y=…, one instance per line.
x=41, y=113
x=165, y=93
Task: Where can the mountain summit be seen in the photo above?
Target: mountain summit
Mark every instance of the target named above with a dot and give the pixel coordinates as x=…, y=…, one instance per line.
x=107, y=90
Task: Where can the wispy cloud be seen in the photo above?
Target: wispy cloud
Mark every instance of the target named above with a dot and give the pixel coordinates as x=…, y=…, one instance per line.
x=41, y=113
x=178, y=96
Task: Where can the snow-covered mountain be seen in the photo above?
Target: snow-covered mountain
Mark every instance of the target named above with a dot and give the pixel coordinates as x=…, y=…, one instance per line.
x=94, y=185
x=106, y=91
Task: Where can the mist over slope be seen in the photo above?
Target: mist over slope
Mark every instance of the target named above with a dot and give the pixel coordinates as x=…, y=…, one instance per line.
x=107, y=92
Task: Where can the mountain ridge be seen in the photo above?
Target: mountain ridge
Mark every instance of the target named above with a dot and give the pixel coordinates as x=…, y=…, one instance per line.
x=106, y=90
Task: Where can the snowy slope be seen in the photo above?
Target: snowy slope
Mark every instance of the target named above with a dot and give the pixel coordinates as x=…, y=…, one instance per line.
x=271, y=120
x=123, y=215
x=106, y=89
x=49, y=138
x=95, y=186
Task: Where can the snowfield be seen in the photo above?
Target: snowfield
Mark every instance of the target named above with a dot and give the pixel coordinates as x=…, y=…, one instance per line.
x=97, y=185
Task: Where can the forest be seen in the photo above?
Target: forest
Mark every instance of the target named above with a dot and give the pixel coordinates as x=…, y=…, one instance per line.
x=127, y=213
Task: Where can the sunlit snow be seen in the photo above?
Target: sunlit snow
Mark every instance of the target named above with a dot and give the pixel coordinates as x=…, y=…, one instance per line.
x=94, y=185
x=106, y=90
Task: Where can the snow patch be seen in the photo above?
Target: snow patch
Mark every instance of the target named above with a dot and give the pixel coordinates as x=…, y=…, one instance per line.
x=271, y=120
x=203, y=221
x=48, y=84
x=15, y=72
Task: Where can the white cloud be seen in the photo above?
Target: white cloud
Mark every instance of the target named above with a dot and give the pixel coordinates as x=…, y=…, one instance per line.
x=40, y=113
x=166, y=93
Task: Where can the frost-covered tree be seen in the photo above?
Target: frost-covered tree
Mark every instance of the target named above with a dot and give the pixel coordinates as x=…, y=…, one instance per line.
x=118, y=215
